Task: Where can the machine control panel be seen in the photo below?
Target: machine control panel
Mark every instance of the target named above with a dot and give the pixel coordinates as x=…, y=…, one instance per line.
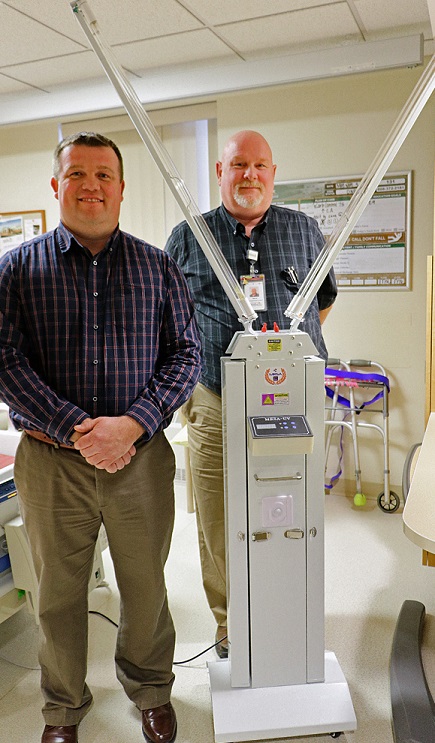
x=280, y=434
x=269, y=426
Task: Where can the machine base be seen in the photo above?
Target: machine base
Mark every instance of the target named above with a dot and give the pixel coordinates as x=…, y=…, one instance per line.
x=280, y=711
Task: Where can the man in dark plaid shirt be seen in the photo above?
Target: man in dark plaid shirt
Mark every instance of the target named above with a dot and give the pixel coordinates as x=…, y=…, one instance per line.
x=99, y=347
x=270, y=250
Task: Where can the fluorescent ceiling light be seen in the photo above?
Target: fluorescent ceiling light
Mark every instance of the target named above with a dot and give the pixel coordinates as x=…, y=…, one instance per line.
x=158, y=87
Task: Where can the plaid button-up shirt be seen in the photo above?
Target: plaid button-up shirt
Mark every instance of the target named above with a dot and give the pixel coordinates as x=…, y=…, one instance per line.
x=286, y=238
x=102, y=335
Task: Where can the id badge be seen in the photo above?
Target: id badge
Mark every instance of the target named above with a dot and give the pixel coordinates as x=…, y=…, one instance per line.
x=254, y=289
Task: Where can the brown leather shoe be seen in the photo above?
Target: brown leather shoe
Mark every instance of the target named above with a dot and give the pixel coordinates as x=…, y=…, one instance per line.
x=159, y=724
x=60, y=734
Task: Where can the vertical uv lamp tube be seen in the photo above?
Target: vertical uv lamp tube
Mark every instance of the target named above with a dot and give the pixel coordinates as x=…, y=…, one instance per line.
x=152, y=141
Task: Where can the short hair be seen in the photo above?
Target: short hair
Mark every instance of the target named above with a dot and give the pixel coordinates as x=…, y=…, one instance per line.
x=89, y=139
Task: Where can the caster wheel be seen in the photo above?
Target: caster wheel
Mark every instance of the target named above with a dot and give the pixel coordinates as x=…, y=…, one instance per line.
x=388, y=505
x=359, y=499
x=336, y=735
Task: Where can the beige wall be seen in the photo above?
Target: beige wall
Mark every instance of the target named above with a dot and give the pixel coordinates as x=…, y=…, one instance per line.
x=324, y=128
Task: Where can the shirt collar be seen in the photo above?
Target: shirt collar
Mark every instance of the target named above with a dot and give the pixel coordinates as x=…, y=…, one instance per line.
x=237, y=227
x=66, y=239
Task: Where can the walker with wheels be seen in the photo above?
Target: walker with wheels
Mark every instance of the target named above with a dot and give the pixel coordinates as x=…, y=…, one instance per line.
x=345, y=382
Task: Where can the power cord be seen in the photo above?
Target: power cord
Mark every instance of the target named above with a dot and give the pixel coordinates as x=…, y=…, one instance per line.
x=104, y=616
x=176, y=663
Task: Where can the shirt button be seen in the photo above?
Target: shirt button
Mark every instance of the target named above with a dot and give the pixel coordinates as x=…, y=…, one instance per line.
x=95, y=294
x=95, y=399
x=95, y=263
x=95, y=327
x=95, y=361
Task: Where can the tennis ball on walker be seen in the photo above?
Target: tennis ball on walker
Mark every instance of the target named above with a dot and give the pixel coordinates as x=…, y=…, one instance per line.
x=359, y=499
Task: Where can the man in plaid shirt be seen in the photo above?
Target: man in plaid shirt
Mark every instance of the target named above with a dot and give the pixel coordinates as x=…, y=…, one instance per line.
x=99, y=347
x=270, y=250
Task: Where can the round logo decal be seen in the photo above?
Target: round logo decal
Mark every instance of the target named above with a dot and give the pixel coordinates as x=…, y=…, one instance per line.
x=275, y=375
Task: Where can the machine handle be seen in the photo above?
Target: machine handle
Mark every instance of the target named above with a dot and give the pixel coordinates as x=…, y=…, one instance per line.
x=294, y=534
x=297, y=476
x=261, y=536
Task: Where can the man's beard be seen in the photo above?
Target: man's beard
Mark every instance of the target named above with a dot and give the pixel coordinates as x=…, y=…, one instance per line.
x=252, y=200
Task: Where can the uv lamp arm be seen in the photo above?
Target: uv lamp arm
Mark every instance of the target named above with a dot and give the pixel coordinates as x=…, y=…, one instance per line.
x=167, y=168
x=323, y=264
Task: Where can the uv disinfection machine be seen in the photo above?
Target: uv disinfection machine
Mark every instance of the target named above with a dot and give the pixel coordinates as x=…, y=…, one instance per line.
x=278, y=681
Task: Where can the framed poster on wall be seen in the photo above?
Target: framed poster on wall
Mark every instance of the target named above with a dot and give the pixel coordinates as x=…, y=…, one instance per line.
x=18, y=227
x=377, y=252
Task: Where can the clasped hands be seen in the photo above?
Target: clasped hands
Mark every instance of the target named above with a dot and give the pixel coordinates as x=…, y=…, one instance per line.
x=107, y=443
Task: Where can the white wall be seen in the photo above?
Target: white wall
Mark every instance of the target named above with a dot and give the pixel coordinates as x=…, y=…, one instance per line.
x=322, y=128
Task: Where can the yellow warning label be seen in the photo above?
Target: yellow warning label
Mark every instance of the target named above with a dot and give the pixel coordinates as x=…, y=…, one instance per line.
x=267, y=399
x=274, y=344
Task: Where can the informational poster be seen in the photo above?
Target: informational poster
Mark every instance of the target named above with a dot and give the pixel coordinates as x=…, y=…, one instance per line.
x=18, y=227
x=377, y=252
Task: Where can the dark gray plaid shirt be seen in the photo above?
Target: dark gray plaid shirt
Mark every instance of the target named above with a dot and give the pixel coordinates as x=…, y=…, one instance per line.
x=284, y=238
x=94, y=335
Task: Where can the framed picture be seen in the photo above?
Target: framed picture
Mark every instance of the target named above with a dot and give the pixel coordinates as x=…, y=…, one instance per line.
x=18, y=227
x=377, y=252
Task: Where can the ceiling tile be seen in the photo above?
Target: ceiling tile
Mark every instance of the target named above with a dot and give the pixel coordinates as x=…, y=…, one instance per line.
x=144, y=19
x=24, y=39
x=48, y=72
x=137, y=56
x=12, y=86
x=392, y=15
x=173, y=50
x=228, y=11
x=292, y=31
x=55, y=15
x=118, y=22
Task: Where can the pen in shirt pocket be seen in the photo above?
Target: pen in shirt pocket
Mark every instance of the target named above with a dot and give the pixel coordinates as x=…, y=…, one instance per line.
x=290, y=275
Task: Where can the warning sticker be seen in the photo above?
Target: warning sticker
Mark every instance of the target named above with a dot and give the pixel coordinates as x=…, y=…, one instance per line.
x=282, y=398
x=268, y=399
x=274, y=344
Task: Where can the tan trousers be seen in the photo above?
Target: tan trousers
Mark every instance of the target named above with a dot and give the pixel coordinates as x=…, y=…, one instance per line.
x=203, y=412
x=63, y=502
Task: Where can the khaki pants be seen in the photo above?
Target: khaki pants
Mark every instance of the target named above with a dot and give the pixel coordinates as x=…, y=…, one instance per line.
x=203, y=412
x=63, y=502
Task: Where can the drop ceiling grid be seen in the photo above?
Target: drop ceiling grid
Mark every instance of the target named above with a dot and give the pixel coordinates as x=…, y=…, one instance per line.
x=388, y=14
x=138, y=56
x=332, y=22
x=194, y=46
x=24, y=39
x=119, y=22
x=53, y=13
x=132, y=20
x=65, y=69
x=230, y=11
